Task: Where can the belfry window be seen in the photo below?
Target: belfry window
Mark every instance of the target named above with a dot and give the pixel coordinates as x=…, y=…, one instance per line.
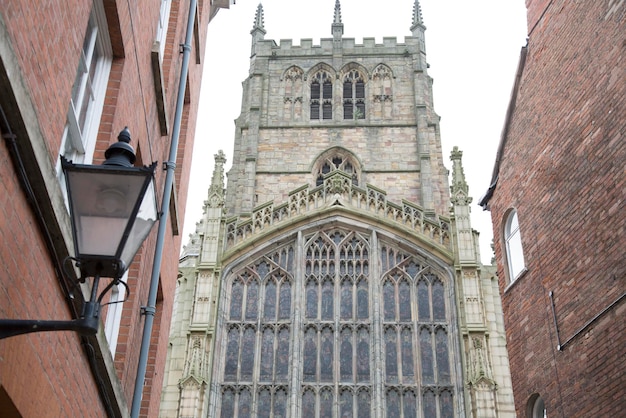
x=353, y=96
x=321, y=96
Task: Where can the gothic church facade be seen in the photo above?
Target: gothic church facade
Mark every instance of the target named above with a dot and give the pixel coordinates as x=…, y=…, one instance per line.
x=338, y=274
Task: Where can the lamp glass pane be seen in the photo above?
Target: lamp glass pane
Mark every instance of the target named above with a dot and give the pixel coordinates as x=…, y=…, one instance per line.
x=146, y=217
x=102, y=203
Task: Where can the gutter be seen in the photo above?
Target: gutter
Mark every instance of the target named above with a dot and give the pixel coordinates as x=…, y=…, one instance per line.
x=484, y=200
x=170, y=165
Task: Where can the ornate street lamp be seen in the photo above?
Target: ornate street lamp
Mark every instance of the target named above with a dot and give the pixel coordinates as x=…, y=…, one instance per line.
x=112, y=208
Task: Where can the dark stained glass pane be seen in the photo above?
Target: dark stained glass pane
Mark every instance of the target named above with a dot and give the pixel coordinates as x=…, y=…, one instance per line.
x=363, y=404
x=409, y=403
x=285, y=301
x=308, y=404
x=282, y=355
x=346, y=404
x=360, y=106
x=327, y=300
x=290, y=260
x=447, y=407
x=310, y=355
x=236, y=300
x=326, y=356
x=315, y=90
x=363, y=357
x=391, y=356
x=327, y=111
x=439, y=304
x=269, y=312
x=262, y=268
x=327, y=90
x=389, y=301
x=348, y=112
x=247, y=354
x=430, y=404
x=326, y=403
x=228, y=404
x=232, y=355
x=393, y=404
x=362, y=300
x=346, y=299
x=423, y=301
x=404, y=300
x=426, y=351
x=252, y=302
x=280, y=403
x=360, y=90
x=311, y=299
x=347, y=89
x=345, y=356
x=267, y=354
x=265, y=404
x=407, y=357
x=245, y=403
x=315, y=111
x=443, y=362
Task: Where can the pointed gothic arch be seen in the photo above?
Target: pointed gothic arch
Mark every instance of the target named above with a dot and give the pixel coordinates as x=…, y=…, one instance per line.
x=292, y=88
x=381, y=91
x=320, y=80
x=336, y=350
x=354, y=79
x=337, y=158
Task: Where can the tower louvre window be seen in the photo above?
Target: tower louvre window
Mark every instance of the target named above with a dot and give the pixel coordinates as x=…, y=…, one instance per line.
x=321, y=96
x=353, y=96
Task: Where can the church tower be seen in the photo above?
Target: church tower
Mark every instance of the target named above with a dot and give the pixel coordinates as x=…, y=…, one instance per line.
x=338, y=274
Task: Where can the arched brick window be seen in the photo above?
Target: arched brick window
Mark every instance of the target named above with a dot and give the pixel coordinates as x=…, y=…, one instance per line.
x=513, y=244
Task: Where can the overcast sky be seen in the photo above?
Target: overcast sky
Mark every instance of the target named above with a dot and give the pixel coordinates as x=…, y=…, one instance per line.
x=472, y=47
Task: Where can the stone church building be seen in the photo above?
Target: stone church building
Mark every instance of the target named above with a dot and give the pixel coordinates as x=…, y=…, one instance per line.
x=338, y=274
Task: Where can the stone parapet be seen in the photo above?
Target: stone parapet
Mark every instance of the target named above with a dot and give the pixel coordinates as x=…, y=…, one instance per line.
x=338, y=189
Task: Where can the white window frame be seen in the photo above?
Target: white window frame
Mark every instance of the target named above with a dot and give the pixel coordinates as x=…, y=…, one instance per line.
x=114, y=314
x=537, y=408
x=89, y=90
x=164, y=20
x=513, y=246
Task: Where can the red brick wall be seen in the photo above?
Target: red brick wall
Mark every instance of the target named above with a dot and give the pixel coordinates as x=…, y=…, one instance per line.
x=48, y=374
x=563, y=170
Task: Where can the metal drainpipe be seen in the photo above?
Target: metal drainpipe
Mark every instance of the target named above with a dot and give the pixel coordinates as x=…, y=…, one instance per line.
x=150, y=309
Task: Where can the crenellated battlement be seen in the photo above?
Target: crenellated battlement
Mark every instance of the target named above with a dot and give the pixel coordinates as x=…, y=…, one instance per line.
x=326, y=46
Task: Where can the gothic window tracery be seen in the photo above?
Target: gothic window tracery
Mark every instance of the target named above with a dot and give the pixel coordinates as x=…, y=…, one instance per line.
x=293, y=81
x=337, y=160
x=321, y=96
x=382, y=93
x=335, y=342
x=353, y=95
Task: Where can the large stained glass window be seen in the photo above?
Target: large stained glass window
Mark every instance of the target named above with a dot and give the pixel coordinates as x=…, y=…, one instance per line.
x=312, y=326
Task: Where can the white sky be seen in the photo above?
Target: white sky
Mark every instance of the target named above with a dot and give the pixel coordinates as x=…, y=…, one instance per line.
x=472, y=47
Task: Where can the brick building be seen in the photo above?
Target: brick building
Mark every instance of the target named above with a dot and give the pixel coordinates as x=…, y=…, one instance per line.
x=338, y=273
x=557, y=203
x=73, y=75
